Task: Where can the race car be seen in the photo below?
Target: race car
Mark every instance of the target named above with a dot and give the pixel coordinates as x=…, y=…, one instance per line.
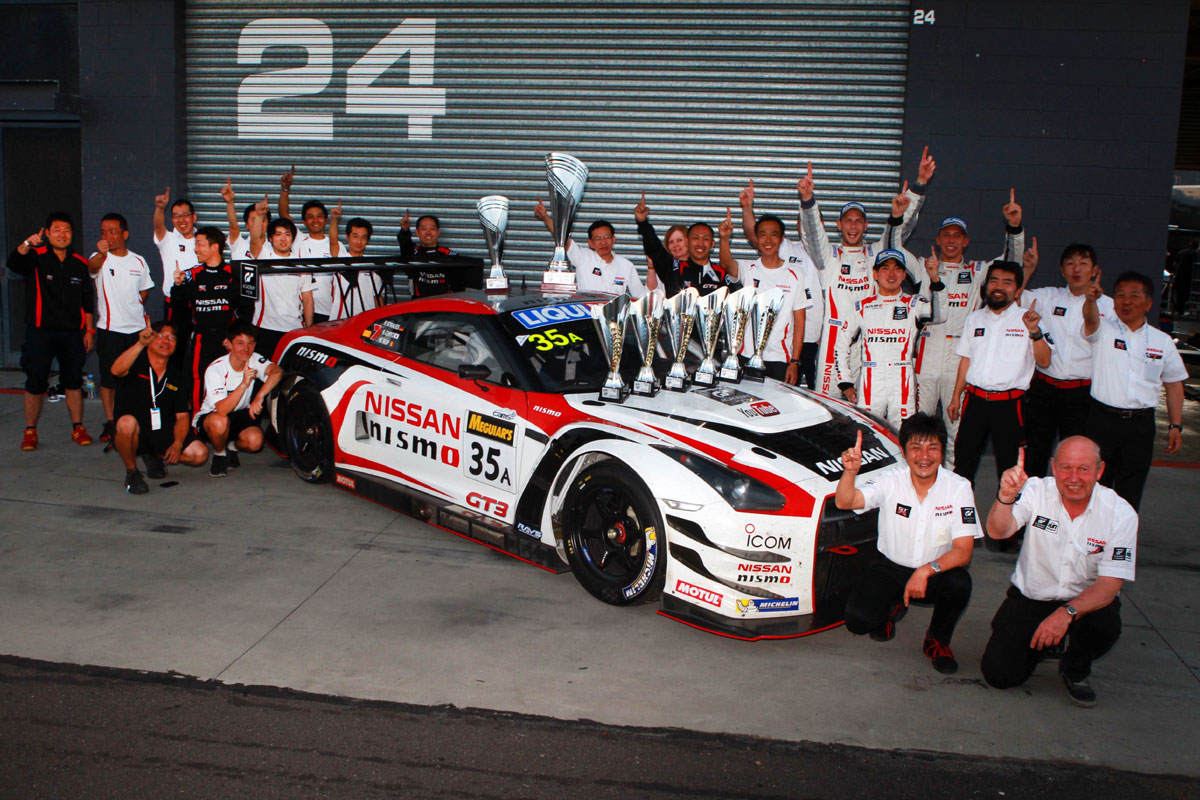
x=483, y=416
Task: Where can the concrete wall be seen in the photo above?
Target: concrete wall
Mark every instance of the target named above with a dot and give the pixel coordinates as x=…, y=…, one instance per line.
x=1076, y=104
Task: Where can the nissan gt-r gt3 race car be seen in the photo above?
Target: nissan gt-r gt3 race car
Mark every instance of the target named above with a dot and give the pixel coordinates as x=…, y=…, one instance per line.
x=483, y=417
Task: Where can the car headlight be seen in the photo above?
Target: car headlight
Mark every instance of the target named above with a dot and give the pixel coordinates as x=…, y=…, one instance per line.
x=738, y=489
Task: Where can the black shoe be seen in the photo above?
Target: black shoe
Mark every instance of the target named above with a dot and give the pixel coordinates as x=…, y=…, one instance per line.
x=231, y=459
x=941, y=655
x=108, y=431
x=1081, y=692
x=217, y=467
x=155, y=468
x=134, y=483
x=888, y=631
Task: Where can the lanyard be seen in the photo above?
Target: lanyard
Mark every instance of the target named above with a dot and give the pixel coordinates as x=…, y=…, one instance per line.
x=154, y=394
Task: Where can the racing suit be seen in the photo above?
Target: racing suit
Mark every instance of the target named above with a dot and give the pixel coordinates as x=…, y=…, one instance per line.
x=675, y=275
x=886, y=329
x=209, y=298
x=427, y=282
x=936, y=359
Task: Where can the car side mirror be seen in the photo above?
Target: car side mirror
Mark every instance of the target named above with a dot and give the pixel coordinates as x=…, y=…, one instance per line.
x=474, y=372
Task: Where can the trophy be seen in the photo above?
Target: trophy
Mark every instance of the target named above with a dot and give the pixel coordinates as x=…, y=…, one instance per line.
x=647, y=314
x=680, y=315
x=762, y=318
x=567, y=176
x=736, y=312
x=493, y=216
x=609, y=320
x=708, y=323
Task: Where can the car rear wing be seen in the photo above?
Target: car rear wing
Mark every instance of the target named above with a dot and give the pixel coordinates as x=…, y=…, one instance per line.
x=251, y=269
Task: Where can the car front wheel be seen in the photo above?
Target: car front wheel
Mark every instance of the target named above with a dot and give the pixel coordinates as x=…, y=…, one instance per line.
x=308, y=434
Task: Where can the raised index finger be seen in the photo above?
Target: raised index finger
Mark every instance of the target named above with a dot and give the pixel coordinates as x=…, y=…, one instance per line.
x=925, y=153
x=1021, y=459
x=1012, y=194
x=858, y=442
x=1032, y=303
x=810, y=170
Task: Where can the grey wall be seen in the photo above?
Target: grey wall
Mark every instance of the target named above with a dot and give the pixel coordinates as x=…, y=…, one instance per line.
x=1076, y=104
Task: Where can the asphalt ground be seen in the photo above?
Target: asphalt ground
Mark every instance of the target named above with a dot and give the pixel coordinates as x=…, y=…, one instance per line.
x=260, y=580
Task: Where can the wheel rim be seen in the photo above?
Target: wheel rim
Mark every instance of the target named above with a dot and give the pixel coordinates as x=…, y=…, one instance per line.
x=609, y=534
x=305, y=433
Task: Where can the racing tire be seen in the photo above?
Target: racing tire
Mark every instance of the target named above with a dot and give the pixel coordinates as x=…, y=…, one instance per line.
x=613, y=535
x=308, y=434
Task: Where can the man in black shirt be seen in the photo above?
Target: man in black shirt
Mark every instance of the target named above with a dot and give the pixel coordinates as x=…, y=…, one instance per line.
x=151, y=410
x=60, y=304
x=426, y=282
x=698, y=270
x=208, y=296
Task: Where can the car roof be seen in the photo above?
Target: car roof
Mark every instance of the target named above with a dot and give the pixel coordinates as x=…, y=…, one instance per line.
x=475, y=301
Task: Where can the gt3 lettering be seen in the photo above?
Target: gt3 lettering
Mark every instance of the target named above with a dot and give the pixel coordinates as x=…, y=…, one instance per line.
x=489, y=505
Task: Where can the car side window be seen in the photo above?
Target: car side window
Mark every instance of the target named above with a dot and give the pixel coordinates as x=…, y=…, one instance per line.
x=450, y=341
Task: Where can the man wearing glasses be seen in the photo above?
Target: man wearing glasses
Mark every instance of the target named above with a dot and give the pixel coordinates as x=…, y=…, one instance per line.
x=598, y=268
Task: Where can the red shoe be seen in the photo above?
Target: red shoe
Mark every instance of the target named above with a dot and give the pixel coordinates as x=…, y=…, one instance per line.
x=79, y=436
x=29, y=442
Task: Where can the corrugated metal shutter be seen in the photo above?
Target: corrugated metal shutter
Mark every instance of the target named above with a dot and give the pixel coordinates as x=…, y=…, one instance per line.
x=686, y=102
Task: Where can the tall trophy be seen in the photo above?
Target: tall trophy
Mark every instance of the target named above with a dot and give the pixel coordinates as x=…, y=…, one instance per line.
x=647, y=315
x=737, y=313
x=708, y=323
x=567, y=177
x=493, y=217
x=762, y=319
x=680, y=317
x=609, y=320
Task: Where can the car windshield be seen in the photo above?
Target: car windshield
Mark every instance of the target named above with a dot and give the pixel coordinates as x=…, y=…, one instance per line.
x=561, y=345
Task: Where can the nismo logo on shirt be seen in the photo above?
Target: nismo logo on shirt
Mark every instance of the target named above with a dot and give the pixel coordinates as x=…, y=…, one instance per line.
x=551, y=315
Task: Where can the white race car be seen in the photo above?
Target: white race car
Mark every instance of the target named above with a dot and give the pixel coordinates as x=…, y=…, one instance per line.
x=483, y=417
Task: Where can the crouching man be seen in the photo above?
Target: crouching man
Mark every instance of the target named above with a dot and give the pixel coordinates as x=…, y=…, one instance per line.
x=927, y=532
x=228, y=417
x=151, y=409
x=1080, y=543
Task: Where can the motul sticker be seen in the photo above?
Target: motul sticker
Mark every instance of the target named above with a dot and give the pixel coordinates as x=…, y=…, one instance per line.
x=696, y=593
x=347, y=481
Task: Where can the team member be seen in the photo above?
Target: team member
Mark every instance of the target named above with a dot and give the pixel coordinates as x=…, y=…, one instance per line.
x=1060, y=394
x=1080, y=547
x=314, y=243
x=228, y=415
x=883, y=328
x=151, y=408
x=176, y=247
x=598, y=269
x=284, y=302
x=122, y=281
x=927, y=532
x=998, y=349
x=60, y=303
x=350, y=296
x=208, y=295
x=691, y=268
x=1131, y=362
x=768, y=271
x=937, y=356
x=427, y=282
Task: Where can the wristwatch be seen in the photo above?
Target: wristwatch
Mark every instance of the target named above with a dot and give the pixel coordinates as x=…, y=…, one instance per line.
x=1072, y=612
x=1036, y=335
x=935, y=566
x=1176, y=427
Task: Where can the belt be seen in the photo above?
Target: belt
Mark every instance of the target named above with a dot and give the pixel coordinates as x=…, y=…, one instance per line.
x=1124, y=413
x=888, y=363
x=928, y=334
x=1010, y=394
x=1060, y=384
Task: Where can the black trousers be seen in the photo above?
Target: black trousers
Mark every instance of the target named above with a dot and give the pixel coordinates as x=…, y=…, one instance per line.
x=882, y=588
x=1127, y=448
x=1053, y=414
x=205, y=348
x=1008, y=660
x=1004, y=420
x=808, y=364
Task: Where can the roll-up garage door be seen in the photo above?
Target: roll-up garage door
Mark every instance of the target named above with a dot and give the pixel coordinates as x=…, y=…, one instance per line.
x=429, y=106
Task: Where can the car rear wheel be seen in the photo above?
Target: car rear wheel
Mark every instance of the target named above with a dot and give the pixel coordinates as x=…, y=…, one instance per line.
x=308, y=434
x=613, y=535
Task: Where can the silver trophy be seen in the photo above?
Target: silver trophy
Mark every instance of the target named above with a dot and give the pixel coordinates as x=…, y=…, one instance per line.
x=762, y=319
x=736, y=312
x=647, y=315
x=493, y=217
x=609, y=319
x=567, y=177
x=680, y=317
x=708, y=323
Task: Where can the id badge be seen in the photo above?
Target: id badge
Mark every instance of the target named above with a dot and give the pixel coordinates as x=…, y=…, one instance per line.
x=155, y=418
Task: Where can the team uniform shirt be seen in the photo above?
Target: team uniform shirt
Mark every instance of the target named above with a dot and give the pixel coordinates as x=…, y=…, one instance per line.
x=278, y=307
x=594, y=274
x=1062, y=322
x=428, y=282
x=797, y=258
x=239, y=248
x=1000, y=349
x=209, y=295
x=119, y=284
x=58, y=294
x=141, y=389
x=320, y=285
x=222, y=380
x=1129, y=367
x=177, y=253
x=1062, y=556
x=913, y=532
x=791, y=283
x=675, y=275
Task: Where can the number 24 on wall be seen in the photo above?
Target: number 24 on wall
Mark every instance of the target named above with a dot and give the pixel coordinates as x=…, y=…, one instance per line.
x=420, y=101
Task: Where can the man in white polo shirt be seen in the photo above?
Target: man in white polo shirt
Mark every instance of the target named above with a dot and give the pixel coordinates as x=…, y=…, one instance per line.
x=285, y=302
x=1059, y=397
x=598, y=268
x=1080, y=548
x=999, y=346
x=927, y=532
x=122, y=280
x=175, y=246
x=1131, y=362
